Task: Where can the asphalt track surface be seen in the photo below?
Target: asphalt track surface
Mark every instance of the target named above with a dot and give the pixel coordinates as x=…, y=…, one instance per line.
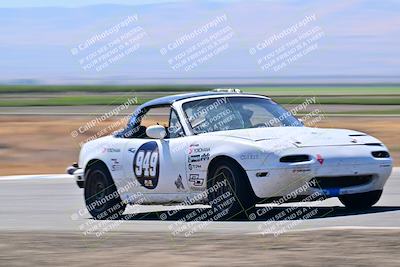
x=50, y=203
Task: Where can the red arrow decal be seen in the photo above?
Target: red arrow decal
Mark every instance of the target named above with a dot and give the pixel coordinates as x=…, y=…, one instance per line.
x=320, y=159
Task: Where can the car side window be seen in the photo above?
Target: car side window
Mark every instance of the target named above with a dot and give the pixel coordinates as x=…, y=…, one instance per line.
x=175, y=128
x=156, y=115
x=152, y=116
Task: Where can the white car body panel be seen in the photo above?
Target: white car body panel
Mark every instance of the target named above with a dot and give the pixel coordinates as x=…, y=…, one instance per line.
x=183, y=162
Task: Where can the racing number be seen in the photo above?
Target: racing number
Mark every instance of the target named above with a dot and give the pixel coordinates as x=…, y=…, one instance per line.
x=146, y=165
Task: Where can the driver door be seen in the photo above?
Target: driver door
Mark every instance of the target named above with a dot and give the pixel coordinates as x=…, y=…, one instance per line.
x=158, y=165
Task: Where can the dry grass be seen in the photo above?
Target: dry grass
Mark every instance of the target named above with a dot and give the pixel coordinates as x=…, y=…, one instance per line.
x=43, y=144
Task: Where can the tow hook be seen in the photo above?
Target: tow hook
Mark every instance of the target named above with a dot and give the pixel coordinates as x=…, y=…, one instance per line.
x=71, y=169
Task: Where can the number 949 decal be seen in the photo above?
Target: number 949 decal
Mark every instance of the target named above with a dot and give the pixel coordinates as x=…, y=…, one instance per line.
x=146, y=165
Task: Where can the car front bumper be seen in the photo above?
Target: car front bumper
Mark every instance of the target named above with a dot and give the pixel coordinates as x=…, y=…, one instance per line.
x=284, y=179
x=78, y=174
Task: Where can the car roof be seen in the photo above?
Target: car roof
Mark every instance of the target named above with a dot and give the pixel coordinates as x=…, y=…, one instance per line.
x=169, y=100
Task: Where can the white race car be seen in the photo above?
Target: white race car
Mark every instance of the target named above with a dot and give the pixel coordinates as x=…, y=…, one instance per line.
x=228, y=149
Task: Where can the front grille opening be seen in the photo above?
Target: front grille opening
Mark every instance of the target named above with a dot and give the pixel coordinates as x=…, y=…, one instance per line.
x=295, y=158
x=354, y=135
x=326, y=182
x=380, y=154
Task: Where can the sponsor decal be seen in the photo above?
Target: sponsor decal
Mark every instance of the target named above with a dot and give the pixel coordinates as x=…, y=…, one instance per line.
x=262, y=174
x=249, y=156
x=201, y=150
x=320, y=159
x=110, y=150
x=301, y=170
x=148, y=184
x=132, y=150
x=194, y=148
x=191, y=147
x=146, y=165
x=115, y=165
x=199, y=157
x=196, y=180
x=196, y=155
x=194, y=166
x=179, y=183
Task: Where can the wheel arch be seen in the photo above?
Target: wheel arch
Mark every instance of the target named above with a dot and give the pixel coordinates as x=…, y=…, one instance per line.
x=220, y=158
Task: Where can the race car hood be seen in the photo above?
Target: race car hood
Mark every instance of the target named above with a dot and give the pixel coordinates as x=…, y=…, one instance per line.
x=302, y=136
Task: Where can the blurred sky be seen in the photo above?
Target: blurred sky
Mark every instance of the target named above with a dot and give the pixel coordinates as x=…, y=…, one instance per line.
x=77, y=3
x=361, y=38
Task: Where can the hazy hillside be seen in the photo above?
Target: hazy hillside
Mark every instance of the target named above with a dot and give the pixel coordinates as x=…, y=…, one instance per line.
x=36, y=43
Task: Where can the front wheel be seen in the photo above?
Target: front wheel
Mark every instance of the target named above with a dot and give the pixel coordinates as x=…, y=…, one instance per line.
x=229, y=190
x=361, y=200
x=101, y=196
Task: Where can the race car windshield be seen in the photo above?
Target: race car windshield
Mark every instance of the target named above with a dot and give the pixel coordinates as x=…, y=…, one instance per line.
x=231, y=113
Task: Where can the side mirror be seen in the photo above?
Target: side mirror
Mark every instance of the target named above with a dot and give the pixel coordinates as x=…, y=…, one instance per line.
x=156, y=132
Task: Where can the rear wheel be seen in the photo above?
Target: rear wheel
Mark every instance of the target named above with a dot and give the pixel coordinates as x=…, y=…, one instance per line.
x=361, y=200
x=229, y=190
x=101, y=195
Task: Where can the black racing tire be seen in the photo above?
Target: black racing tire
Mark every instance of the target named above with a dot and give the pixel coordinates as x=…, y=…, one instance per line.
x=361, y=201
x=101, y=196
x=237, y=197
